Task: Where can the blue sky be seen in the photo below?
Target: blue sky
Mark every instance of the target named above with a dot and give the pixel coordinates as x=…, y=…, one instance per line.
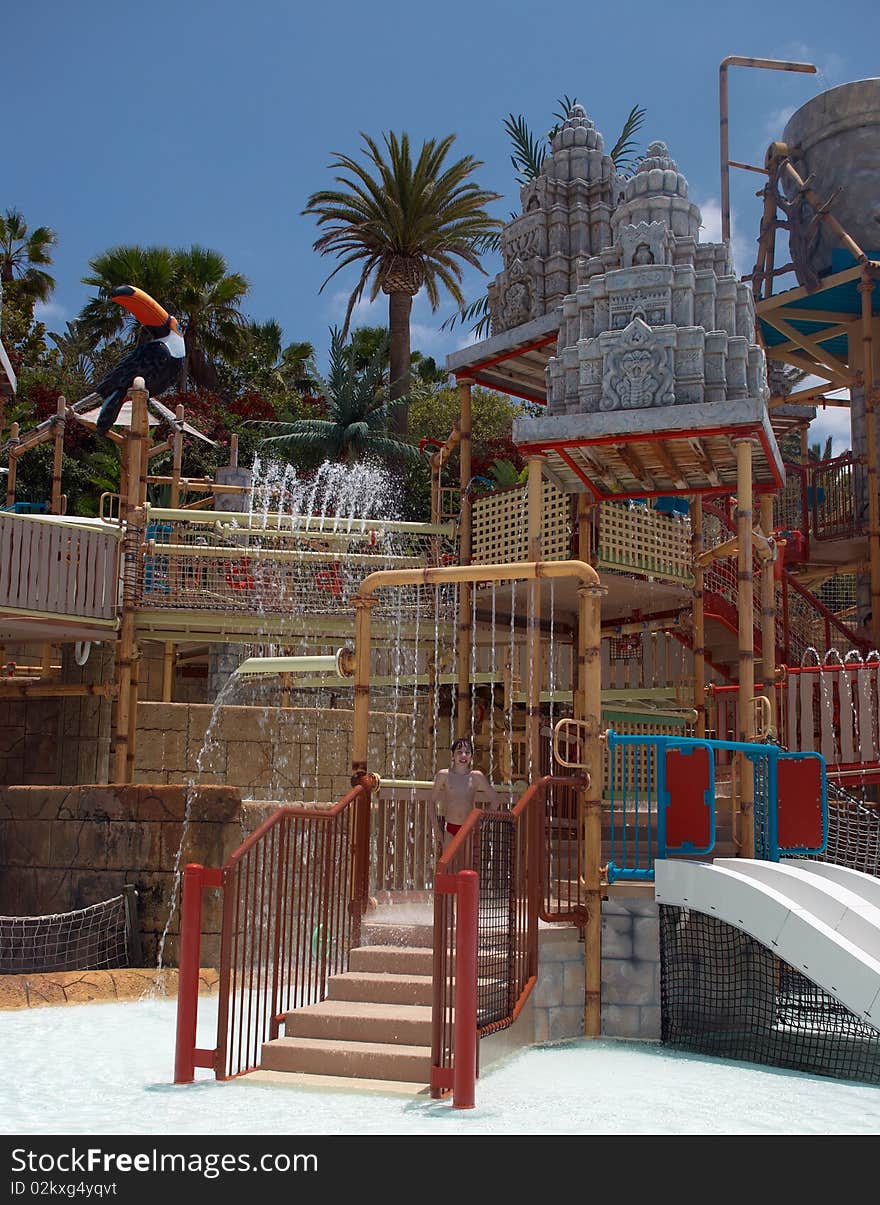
x=212, y=122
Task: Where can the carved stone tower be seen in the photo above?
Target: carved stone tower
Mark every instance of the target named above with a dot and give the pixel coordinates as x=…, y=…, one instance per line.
x=566, y=215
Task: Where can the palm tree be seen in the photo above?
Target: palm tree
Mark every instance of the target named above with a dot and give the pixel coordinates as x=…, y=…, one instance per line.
x=194, y=284
x=407, y=225
x=357, y=412
x=23, y=253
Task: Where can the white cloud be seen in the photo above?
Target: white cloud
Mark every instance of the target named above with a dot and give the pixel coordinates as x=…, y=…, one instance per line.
x=50, y=311
x=834, y=422
x=710, y=232
x=774, y=123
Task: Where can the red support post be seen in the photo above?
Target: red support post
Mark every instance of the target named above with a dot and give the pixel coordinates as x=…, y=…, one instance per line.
x=465, y=1068
x=188, y=972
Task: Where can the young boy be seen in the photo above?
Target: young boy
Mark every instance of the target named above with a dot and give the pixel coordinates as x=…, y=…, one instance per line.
x=458, y=787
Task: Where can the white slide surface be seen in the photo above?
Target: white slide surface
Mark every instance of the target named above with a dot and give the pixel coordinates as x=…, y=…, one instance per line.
x=824, y=920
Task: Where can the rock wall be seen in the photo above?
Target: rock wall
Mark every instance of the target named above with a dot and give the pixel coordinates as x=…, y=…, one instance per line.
x=63, y=848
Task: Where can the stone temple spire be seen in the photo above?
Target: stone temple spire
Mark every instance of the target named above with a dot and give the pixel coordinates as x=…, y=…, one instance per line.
x=566, y=214
x=658, y=192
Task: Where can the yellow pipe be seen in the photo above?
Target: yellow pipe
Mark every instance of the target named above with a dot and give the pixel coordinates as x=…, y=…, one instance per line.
x=236, y=553
x=745, y=602
x=699, y=617
x=341, y=662
x=866, y=288
x=276, y=521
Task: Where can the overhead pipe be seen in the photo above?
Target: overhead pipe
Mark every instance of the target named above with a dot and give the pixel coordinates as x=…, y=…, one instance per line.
x=342, y=663
x=277, y=521
x=736, y=60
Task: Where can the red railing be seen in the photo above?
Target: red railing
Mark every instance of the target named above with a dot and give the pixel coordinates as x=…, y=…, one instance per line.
x=832, y=709
x=825, y=500
x=294, y=894
x=507, y=850
x=802, y=620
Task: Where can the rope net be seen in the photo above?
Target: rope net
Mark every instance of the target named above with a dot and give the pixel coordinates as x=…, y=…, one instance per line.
x=99, y=937
x=725, y=994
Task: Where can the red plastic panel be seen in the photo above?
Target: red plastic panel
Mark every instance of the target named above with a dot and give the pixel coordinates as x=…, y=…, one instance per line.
x=799, y=798
x=688, y=778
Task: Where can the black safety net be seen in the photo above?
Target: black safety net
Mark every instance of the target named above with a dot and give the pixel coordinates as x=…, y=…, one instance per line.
x=723, y=993
x=500, y=948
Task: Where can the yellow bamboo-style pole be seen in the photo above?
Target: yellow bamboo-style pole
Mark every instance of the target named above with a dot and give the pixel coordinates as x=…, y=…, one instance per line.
x=768, y=615
x=135, y=461
x=699, y=617
x=588, y=710
x=463, y=694
x=174, y=502
x=866, y=288
x=13, y=466
x=51, y=689
x=738, y=60
x=58, y=454
x=745, y=602
x=535, y=532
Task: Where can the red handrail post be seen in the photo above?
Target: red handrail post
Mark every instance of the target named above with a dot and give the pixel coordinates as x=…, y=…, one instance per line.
x=188, y=972
x=465, y=1068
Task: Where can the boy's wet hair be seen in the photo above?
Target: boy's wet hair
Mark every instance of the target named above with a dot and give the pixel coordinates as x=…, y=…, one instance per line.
x=465, y=743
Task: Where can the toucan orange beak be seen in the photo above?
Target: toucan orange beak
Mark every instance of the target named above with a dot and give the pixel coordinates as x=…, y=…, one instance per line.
x=140, y=304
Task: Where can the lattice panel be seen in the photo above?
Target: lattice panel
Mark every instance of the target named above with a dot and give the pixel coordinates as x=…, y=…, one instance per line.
x=642, y=540
x=499, y=526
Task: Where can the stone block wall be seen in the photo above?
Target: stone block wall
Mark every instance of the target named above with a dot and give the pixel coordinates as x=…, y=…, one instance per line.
x=630, y=968
x=63, y=848
x=278, y=753
x=558, y=1006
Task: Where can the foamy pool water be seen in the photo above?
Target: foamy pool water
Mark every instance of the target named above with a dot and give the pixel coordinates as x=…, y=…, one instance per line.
x=107, y=1069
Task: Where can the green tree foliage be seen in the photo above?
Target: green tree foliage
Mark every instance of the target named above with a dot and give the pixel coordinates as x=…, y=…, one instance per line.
x=194, y=284
x=357, y=412
x=405, y=223
x=24, y=254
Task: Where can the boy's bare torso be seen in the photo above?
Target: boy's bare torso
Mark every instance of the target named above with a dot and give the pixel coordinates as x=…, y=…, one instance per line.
x=459, y=792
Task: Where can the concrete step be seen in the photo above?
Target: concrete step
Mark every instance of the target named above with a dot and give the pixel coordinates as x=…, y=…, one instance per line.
x=400, y=960
x=391, y=933
x=386, y=988
x=369, y=1060
x=361, y=1021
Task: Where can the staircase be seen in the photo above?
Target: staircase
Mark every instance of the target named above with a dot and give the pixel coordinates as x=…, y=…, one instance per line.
x=375, y=1025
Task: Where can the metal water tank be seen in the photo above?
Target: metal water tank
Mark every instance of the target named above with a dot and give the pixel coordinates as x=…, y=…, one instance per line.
x=835, y=138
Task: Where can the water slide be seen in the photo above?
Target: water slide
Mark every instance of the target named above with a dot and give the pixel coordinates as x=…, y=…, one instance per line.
x=822, y=919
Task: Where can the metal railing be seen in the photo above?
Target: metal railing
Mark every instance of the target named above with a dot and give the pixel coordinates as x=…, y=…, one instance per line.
x=663, y=801
x=294, y=894
x=507, y=851
x=832, y=709
x=825, y=500
x=803, y=621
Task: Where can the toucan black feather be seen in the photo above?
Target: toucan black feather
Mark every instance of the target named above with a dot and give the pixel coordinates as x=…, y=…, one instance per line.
x=153, y=361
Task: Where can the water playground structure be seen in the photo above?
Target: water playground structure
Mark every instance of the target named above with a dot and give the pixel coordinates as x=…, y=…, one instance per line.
x=663, y=648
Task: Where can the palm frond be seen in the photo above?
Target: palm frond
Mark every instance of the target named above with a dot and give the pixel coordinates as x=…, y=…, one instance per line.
x=478, y=310
x=566, y=104
x=528, y=156
x=622, y=153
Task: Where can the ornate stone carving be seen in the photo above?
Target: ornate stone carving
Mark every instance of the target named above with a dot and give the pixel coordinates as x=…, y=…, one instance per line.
x=643, y=244
x=566, y=214
x=637, y=372
x=516, y=305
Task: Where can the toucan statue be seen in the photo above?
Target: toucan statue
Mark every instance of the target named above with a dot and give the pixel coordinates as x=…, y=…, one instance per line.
x=158, y=361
